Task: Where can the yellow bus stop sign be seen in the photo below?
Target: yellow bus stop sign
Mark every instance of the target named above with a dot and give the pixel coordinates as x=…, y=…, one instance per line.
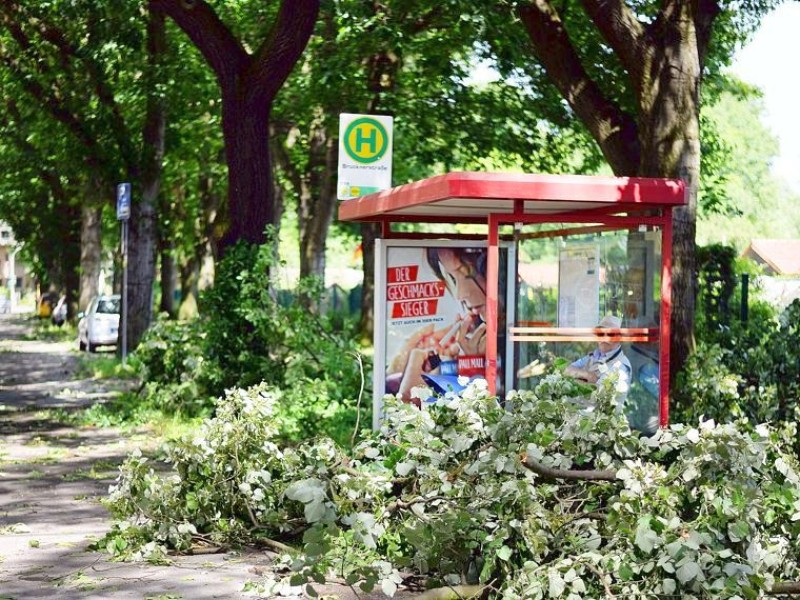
x=366, y=140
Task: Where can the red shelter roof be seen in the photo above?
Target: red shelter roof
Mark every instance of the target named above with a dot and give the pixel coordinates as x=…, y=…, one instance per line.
x=471, y=196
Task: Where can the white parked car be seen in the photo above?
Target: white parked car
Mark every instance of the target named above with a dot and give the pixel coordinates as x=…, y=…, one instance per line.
x=99, y=325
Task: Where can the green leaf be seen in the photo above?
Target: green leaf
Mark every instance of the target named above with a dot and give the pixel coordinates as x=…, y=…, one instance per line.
x=646, y=538
x=668, y=586
x=504, y=553
x=388, y=587
x=738, y=531
x=687, y=571
x=556, y=584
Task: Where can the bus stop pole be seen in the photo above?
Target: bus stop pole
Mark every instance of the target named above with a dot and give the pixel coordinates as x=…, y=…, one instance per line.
x=492, y=283
x=124, y=309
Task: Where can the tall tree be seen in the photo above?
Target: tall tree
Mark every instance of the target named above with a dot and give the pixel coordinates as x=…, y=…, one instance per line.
x=757, y=203
x=55, y=63
x=248, y=84
x=632, y=74
x=31, y=177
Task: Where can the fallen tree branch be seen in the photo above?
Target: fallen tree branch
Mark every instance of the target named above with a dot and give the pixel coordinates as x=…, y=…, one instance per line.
x=568, y=474
x=276, y=545
x=603, y=579
x=397, y=505
x=784, y=587
x=456, y=592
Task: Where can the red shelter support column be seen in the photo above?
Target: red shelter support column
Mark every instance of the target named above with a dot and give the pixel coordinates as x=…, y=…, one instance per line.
x=666, y=315
x=492, y=283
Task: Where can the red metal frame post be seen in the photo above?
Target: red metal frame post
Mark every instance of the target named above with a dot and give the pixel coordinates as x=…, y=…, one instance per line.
x=666, y=315
x=492, y=283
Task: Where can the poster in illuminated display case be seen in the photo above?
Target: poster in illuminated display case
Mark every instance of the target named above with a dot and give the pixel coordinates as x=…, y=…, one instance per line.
x=430, y=316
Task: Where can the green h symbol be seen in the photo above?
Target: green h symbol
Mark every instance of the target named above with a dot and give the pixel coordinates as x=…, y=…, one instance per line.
x=365, y=140
x=371, y=139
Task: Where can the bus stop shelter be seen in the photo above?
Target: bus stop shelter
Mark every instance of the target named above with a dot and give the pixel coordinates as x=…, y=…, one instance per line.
x=529, y=207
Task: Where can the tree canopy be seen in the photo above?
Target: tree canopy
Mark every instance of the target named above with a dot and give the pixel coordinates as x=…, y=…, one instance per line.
x=240, y=94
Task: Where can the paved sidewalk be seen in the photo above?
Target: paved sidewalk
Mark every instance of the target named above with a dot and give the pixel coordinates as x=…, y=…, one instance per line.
x=52, y=477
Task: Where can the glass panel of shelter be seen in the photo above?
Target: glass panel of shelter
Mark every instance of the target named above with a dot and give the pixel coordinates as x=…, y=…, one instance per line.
x=569, y=278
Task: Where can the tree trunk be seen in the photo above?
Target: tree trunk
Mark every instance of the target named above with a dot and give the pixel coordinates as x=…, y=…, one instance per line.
x=141, y=266
x=90, y=255
x=71, y=258
x=249, y=83
x=279, y=207
x=245, y=126
x=143, y=232
x=664, y=62
x=316, y=207
x=190, y=275
x=669, y=134
x=168, y=286
x=369, y=233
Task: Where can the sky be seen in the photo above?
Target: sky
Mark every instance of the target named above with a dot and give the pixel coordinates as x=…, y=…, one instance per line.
x=768, y=62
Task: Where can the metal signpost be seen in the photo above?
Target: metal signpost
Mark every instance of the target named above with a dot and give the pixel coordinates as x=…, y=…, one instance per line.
x=123, y=215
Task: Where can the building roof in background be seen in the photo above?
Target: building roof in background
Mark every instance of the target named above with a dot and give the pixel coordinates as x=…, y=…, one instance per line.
x=781, y=256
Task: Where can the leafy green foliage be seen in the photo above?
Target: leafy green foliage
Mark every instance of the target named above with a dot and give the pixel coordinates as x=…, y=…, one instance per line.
x=703, y=512
x=245, y=337
x=740, y=198
x=740, y=370
x=718, y=279
x=767, y=355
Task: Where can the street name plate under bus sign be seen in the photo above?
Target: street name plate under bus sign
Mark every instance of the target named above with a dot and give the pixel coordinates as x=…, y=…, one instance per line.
x=123, y=201
x=365, y=155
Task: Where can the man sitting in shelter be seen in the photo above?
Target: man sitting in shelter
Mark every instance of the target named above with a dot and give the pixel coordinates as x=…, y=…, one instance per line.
x=606, y=359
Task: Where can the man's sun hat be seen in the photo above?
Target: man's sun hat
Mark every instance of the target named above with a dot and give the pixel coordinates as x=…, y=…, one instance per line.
x=610, y=322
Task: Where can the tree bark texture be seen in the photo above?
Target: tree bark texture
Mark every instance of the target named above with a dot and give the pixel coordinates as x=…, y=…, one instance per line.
x=317, y=203
x=664, y=64
x=249, y=83
x=141, y=267
x=382, y=76
x=613, y=129
x=90, y=255
x=143, y=232
x=71, y=257
x=369, y=233
x=190, y=275
x=670, y=137
x=168, y=279
x=245, y=126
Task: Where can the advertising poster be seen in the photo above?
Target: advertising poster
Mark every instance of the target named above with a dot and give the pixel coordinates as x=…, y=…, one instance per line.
x=435, y=317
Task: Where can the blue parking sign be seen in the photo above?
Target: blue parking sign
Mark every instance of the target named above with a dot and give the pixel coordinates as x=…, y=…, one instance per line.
x=123, y=201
